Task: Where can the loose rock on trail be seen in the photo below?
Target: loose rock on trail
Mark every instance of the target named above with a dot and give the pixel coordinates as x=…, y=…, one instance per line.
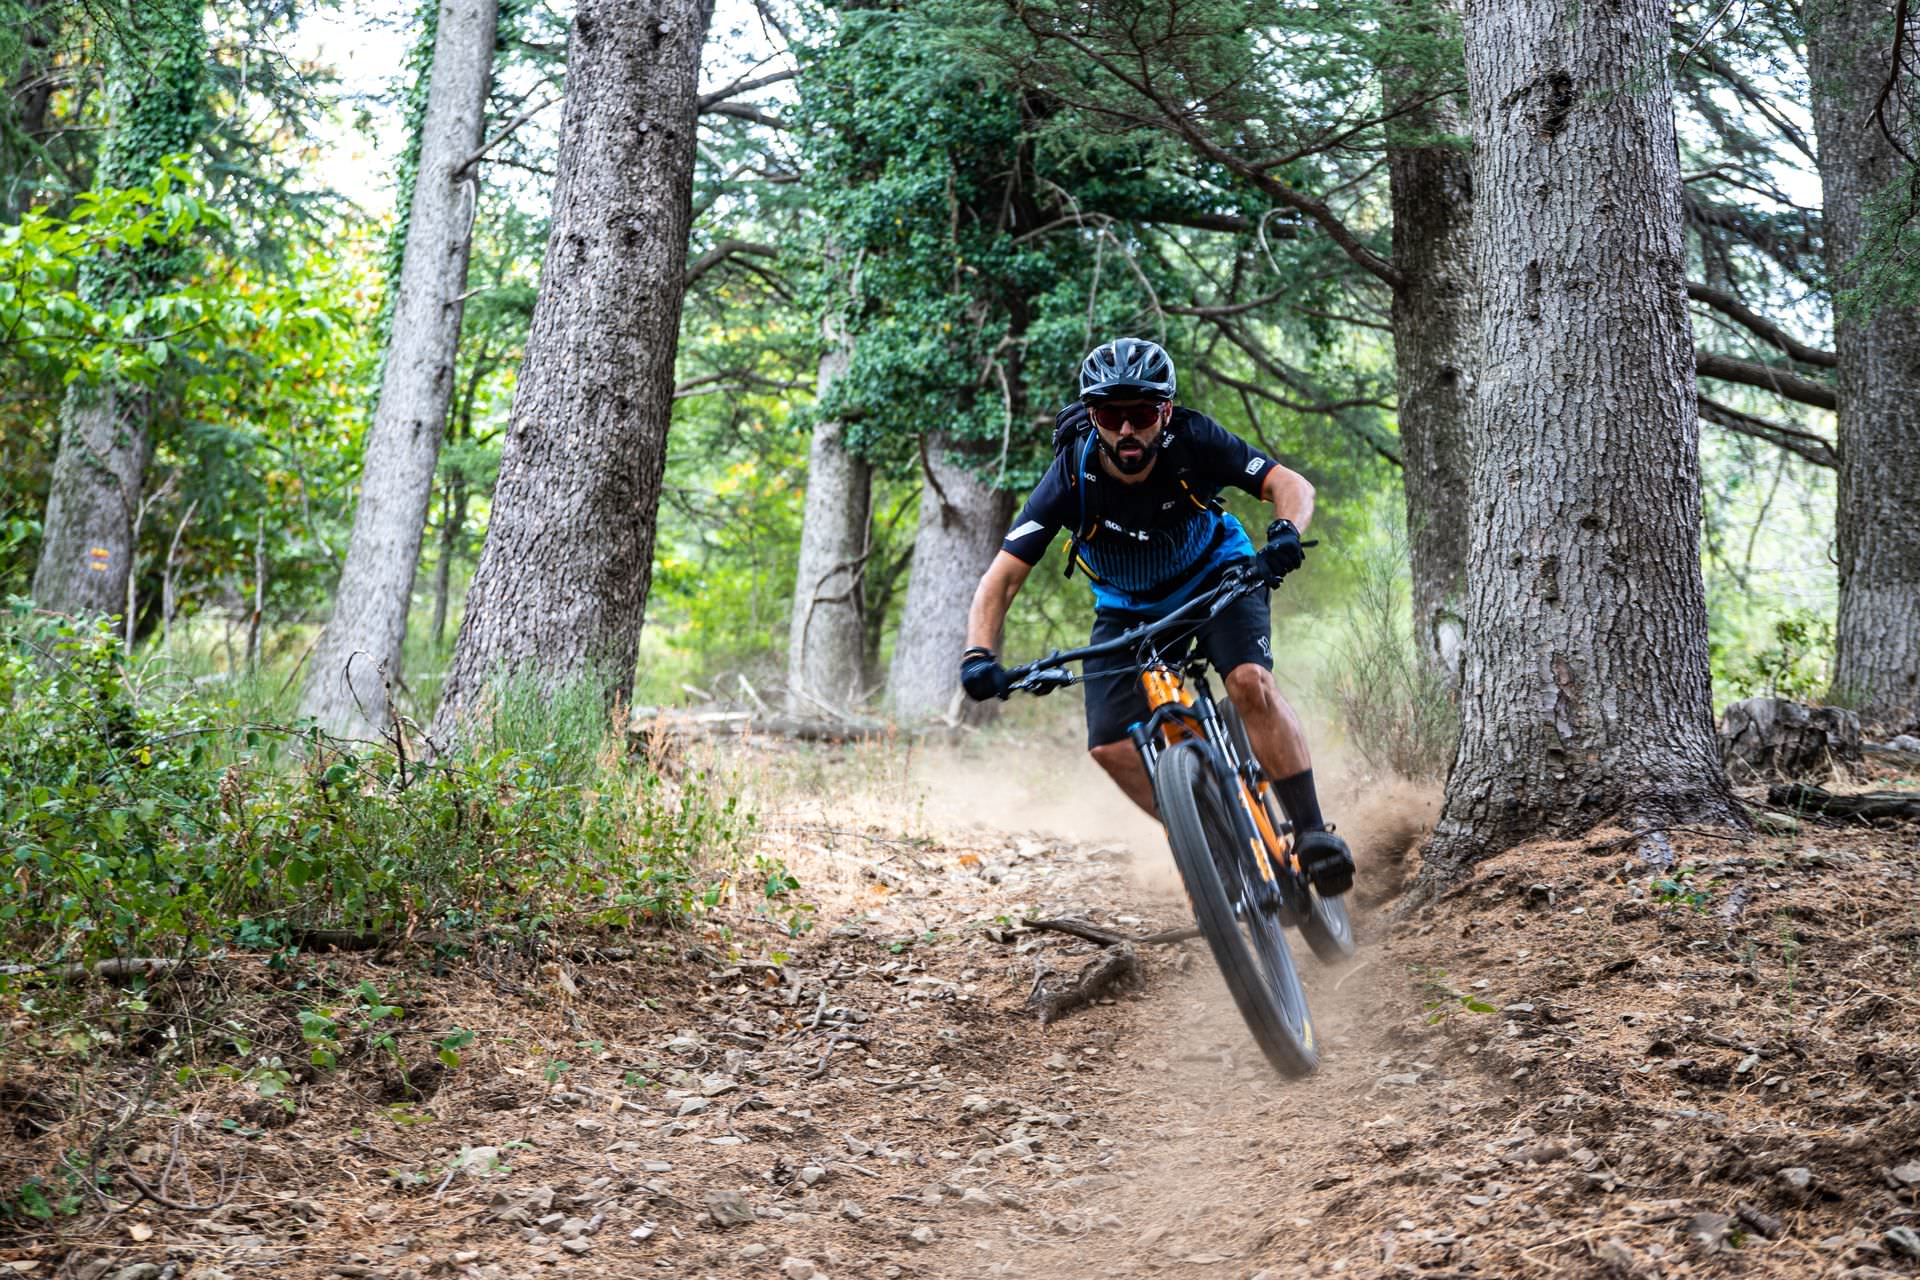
x=1574, y=1065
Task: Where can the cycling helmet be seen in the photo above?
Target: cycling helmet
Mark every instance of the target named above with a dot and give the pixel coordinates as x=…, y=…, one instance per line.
x=1127, y=368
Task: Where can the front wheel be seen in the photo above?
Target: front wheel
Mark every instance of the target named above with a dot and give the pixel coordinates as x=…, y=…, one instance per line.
x=1250, y=945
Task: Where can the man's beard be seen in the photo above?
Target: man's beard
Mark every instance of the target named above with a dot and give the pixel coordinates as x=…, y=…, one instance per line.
x=1131, y=465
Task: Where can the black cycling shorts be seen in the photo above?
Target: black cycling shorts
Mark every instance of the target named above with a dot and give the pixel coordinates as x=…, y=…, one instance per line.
x=1242, y=633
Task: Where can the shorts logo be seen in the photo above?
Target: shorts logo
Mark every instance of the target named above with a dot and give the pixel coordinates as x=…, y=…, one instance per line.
x=1266, y=647
x=1254, y=464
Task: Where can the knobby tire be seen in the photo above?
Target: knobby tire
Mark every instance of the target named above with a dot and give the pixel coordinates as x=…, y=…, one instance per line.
x=1262, y=978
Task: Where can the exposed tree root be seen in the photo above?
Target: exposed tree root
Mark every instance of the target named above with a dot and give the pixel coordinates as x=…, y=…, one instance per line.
x=1098, y=976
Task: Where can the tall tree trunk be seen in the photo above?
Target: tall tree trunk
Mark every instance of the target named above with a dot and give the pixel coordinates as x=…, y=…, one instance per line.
x=962, y=520
x=361, y=646
x=825, y=653
x=1431, y=187
x=1849, y=44
x=99, y=471
x=86, y=550
x=1585, y=694
x=561, y=587
x=26, y=112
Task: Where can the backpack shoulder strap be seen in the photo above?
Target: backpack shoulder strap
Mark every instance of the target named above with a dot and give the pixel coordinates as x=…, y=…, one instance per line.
x=1073, y=462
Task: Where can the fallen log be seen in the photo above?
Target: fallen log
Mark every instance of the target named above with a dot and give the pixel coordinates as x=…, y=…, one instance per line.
x=1870, y=806
x=1106, y=970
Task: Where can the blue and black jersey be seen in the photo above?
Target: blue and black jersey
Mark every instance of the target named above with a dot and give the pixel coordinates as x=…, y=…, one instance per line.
x=1146, y=548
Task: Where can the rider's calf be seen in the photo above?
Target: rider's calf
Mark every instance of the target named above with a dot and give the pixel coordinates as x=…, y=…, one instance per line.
x=1277, y=737
x=1122, y=762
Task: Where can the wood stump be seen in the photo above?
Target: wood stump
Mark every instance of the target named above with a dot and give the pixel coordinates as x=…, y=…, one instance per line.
x=1774, y=738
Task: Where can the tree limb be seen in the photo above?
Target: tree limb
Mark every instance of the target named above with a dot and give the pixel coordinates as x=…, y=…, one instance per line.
x=1734, y=309
x=723, y=250
x=1181, y=121
x=738, y=87
x=1751, y=373
x=1804, y=443
x=461, y=169
x=1228, y=309
x=1226, y=379
x=741, y=111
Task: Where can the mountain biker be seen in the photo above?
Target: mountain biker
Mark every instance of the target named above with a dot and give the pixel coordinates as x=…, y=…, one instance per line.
x=1136, y=478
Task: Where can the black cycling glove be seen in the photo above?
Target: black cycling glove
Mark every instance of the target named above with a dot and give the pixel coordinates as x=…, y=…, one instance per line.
x=1283, y=553
x=982, y=676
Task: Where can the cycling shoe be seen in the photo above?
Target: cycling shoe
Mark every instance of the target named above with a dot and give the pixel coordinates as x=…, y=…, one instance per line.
x=1328, y=862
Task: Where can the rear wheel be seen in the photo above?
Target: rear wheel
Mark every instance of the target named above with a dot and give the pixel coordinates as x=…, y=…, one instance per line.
x=1326, y=925
x=1249, y=945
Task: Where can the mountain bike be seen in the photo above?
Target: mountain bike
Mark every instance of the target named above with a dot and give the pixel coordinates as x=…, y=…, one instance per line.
x=1228, y=832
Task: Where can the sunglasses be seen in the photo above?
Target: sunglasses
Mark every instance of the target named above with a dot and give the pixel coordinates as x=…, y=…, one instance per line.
x=1112, y=417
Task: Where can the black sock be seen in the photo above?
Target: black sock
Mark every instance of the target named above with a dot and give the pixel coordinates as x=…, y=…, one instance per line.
x=1299, y=799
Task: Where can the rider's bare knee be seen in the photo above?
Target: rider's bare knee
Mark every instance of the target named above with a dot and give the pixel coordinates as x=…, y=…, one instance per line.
x=1112, y=755
x=1251, y=687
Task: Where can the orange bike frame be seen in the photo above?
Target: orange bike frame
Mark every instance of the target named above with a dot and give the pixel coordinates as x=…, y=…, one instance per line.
x=1164, y=685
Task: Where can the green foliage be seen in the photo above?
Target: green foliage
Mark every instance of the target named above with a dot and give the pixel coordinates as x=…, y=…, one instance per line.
x=52, y=322
x=967, y=288
x=778, y=885
x=1396, y=708
x=156, y=85
x=39, y=1200
x=1442, y=1000
x=139, y=822
x=1678, y=890
x=1888, y=266
x=1797, y=664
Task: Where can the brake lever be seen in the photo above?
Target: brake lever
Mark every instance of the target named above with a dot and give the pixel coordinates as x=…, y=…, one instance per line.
x=1044, y=681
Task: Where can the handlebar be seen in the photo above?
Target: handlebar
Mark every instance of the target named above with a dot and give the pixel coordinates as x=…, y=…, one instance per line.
x=1046, y=674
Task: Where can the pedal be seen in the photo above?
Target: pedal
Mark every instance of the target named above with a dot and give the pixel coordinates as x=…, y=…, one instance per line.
x=1328, y=862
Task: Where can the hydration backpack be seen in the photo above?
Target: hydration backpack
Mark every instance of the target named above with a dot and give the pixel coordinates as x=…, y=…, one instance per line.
x=1073, y=431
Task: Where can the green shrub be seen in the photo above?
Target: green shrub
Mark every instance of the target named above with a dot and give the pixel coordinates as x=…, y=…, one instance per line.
x=1397, y=709
x=1796, y=665
x=137, y=822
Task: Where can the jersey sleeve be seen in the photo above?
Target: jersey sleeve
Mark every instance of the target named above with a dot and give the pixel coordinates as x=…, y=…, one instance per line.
x=1223, y=458
x=1041, y=518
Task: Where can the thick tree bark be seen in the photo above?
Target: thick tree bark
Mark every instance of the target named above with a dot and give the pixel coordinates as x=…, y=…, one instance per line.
x=1877, y=639
x=561, y=587
x=826, y=668
x=361, y=646
x=1585, y=694
x=962, y=520
x=99, y=471
x=86, y=551
x=1431, y=186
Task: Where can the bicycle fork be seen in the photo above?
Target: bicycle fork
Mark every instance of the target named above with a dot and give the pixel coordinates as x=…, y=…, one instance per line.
x=1177, y=714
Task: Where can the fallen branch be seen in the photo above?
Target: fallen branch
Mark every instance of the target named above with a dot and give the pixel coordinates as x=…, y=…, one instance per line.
x=1100, y=975
x=1091, y=932
x=1799, y=798
x=119, y=970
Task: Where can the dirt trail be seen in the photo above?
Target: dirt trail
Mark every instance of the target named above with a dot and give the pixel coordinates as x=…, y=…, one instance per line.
x=876, y=1100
